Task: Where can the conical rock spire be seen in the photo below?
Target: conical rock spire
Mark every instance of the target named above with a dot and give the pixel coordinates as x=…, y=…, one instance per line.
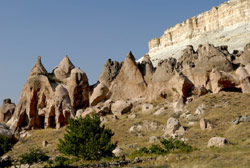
x=62, y=71
x=38, y=68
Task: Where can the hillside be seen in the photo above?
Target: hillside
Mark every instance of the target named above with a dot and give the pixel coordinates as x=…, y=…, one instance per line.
x=220, y=109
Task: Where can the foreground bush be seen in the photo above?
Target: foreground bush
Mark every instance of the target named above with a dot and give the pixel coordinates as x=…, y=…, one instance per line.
x=167, y=146
x=172, y=145
x=34, y=155
x=6, y=144
x=86, y=139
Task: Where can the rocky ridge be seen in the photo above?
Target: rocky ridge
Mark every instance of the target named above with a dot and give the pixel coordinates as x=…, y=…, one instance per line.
x=226, y=24
x=49, y=99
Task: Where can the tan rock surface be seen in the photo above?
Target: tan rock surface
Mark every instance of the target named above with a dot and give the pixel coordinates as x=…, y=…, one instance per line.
x=6, y=111
x=99, y=94
x=129, y=83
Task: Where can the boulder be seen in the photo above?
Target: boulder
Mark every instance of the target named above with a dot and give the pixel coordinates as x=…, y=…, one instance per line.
x=6, y=110
x=217, y=142
x=200, y=91
x=5, y=131
x=200, y=110
x=87, y=111
x=99, y=94
x=118, y=152
x=240, y=119
x=160, y=111
x=132, y=116
x=146, y=108
x=205, y=124
x=174, y=128
x=45, y=144
x=153, y=139
x=120, y=107
x=178, y=106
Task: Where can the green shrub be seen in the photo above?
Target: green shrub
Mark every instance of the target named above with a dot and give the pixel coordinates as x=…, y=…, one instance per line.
x=167, y=146
x=86, y=139
x=157, y=149
x=61, y=161
x=6, y=144
x=143, y=150
x=172, y=145
x=34, y=155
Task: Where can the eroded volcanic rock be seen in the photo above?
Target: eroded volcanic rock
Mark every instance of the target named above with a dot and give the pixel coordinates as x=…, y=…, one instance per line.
x=6, y=110
x=48, y=100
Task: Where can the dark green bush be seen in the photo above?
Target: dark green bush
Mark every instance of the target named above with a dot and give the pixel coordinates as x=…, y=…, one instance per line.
x=86, y=139
x=143, y=150
x=6, y=144
x=34, y=155
x=167, y=146
x=171, y=145
x=61, y=161
x=157, y=149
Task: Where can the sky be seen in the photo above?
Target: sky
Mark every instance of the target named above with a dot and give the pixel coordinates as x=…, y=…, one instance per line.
x=88, y=31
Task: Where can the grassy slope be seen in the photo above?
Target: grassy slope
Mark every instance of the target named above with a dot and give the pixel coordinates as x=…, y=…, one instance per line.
x=220, y=110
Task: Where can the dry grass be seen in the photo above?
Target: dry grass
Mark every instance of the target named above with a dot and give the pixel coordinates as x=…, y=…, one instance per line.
x=36, y=139
x=220, y=110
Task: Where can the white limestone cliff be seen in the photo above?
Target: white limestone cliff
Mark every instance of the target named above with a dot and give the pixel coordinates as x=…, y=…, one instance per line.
x=227, y=24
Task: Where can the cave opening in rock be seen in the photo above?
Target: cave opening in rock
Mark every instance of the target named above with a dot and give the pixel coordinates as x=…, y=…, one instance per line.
x=232, y=89
x=52, y=122
x=41, y=120
x=24, y=120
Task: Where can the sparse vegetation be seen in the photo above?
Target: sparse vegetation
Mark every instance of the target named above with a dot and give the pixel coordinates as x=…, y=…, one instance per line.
x=86, y=139
x=34, y=155
x=167, y=146
x=6, y=144
x=172, y=145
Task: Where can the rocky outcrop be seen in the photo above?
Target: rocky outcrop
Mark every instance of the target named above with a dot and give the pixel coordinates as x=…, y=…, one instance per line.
x=217, y=142
x=62, y=71
x=174, y=128
x=6, y=110
x=49, y=100
x=129, y=83
x=110, y=71
x=5, y=131
x=63, y=108
x=121, y=107
x=99, y=94
x=78, y=88
x=222, y=25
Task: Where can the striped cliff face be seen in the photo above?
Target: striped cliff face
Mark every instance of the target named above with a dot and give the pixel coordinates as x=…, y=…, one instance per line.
x=227, y=24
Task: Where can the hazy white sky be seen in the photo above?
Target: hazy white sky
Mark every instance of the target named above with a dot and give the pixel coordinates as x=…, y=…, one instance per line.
x=88, y=31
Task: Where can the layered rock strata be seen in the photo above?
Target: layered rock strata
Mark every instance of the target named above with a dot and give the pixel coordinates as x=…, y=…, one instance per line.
x=228, y=24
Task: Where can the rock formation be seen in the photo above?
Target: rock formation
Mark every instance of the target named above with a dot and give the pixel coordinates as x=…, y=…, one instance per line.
x=7, y=110
x=110, y=71
x=227, y=24
x=48, y=100
x=129, y=83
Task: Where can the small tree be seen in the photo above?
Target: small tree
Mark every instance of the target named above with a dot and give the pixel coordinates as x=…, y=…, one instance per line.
x=85, y=138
